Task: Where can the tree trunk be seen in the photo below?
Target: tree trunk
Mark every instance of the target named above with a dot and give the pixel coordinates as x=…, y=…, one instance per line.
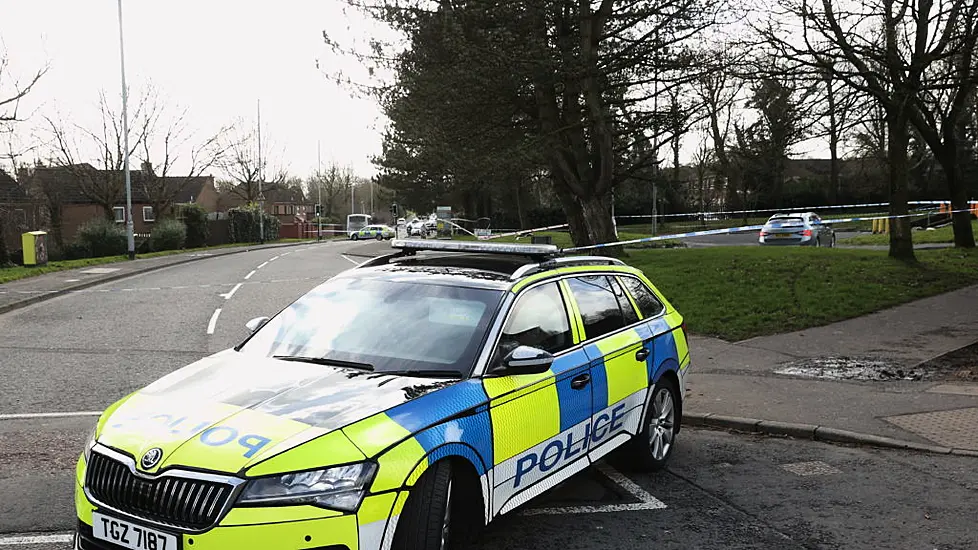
x=597, y=217
x=964, y=236
x=835, y=191
x=898, y=142
x=575, y=215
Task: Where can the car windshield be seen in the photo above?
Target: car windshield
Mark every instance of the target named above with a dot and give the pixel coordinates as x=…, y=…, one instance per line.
x=362, y=321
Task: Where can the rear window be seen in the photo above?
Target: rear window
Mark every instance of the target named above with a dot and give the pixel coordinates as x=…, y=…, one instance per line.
x=786, y=220
x=363, y=321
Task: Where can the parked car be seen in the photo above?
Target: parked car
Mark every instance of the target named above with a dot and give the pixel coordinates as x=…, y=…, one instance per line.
x=332, y=427
x=800, y=229
x=379, y=232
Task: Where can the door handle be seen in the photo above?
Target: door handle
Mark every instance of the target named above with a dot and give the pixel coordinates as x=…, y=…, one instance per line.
x=642, y=354
x=578, y=382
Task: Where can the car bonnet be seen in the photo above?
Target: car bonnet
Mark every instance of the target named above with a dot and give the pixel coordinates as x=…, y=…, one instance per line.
x=230, y=411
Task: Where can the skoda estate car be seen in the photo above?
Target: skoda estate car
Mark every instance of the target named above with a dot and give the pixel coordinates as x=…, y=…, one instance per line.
x=802, y=229
x=334, y=426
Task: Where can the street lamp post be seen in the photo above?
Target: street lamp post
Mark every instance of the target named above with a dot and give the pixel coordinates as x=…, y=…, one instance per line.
x=319, y=188
x=130, y=237
x=261, y=176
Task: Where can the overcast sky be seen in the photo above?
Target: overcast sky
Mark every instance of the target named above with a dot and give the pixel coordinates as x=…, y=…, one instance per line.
x=216, y=57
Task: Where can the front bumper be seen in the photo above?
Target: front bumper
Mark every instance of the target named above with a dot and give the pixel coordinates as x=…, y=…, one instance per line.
x=281, y=527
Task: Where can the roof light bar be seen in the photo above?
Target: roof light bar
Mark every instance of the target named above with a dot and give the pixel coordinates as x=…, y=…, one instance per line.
x=475, y=246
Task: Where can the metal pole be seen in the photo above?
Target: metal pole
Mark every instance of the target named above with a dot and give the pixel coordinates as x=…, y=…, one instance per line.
x=261, y=176
x=319, y=188
x=130, y=236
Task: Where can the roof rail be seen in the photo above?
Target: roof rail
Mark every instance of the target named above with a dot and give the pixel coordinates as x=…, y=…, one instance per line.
x=536, y=251
x=568, y=261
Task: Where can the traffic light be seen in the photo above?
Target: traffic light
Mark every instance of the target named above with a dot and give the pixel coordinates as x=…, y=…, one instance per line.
x=394, y=211
x=319, y=210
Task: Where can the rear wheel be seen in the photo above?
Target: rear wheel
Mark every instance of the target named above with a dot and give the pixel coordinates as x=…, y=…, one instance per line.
x=380, y=236
x=653, y=445
x=355, y=237
x=439, y=513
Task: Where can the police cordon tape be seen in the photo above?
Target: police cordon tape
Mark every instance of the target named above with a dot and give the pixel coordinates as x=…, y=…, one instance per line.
x=732, y=230
x=792, y=209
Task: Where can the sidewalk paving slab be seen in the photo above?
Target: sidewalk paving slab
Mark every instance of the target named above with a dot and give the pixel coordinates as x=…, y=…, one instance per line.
x=734, y=385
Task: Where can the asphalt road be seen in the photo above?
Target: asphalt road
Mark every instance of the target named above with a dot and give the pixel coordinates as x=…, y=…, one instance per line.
x=80, y=352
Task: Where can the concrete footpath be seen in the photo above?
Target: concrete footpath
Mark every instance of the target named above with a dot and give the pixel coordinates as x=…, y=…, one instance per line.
x=881, y=379
x=24, y=292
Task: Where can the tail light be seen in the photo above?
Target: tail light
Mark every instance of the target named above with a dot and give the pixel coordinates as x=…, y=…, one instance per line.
x=807, y=233
x=764, y=233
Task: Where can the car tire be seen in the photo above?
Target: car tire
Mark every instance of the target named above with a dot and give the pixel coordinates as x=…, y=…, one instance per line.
x=818, y=242
x=653, y=446
x=832, y=242
x=380, y=236
x=435, y=516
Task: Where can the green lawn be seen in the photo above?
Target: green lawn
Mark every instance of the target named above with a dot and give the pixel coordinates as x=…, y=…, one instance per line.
x=9, y=274
x=562, y=239
x=942, y=235
x=737, y=293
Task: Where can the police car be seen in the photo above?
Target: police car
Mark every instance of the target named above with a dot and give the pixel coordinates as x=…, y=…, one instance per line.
x=333, y=426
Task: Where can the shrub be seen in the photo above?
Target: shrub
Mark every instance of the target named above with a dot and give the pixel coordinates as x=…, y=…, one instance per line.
x=75, y=251
x=169, y=235
x=102, y=237
x=244, y=225
x=198, y=227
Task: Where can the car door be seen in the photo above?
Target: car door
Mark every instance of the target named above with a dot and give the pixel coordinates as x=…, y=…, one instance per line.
x=617, y=352
x=540, y=422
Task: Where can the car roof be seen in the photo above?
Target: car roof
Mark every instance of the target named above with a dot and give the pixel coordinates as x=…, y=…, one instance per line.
x=477, y=265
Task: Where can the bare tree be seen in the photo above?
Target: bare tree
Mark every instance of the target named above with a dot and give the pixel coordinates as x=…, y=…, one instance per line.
x=899, y=52
x=12, y=91
x=241, y=163
x=719, y=90
x=333, y=184
x=174, y=157
x=102, y=182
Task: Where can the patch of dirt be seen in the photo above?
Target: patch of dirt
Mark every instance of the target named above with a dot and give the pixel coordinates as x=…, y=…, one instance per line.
x=960, y=365
x=849, y=368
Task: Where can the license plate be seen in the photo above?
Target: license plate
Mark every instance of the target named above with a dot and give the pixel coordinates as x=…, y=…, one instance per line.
x=782, y=235
x=130, y=535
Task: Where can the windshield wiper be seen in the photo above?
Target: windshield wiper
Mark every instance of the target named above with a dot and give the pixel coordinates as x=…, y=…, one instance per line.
x=425, y=373
x=326, y=361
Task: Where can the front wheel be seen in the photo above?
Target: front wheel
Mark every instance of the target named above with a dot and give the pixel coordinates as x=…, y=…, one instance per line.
x=380, y=236
x=437, y=515
x=654, y=444
x=355, y=237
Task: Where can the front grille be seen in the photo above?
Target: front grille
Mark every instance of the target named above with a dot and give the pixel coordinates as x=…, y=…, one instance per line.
x=183, y=503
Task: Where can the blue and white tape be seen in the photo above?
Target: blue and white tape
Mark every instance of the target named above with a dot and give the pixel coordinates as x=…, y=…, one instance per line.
x=743, y=229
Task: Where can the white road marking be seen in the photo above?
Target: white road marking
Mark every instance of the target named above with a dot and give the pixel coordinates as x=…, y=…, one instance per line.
x=213, y=323
x=351, y=260
x=72, y=280
x=263, y=265
x=248, y=276
x=273, y=259
x=21, y=416
x=233, y=290
x=35, y=539
x=646, y=500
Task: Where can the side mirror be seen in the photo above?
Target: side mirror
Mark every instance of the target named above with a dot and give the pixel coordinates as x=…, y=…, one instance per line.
x=256, y=323
x=525, y=360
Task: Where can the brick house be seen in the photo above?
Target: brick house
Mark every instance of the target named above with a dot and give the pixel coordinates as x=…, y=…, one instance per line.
x=18, y=213
x=64, y=185
x=288, y=204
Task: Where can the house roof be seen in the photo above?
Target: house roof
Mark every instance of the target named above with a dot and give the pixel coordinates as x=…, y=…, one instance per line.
x=69, y=185
x=10, y=190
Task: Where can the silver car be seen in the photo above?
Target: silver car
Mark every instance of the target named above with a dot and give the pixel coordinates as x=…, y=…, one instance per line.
x=799, y=229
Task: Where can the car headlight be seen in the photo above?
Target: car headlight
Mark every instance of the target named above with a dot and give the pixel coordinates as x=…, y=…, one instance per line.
x=340, y=488
x=89, y=443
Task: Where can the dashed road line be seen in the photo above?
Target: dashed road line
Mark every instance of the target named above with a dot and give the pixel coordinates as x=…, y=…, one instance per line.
x=646, y=500
x=213, y=322
x=233, y=290
x=262, y=265
x=26, y=540
x=23, y=416
x=273, y=259
x=248, y=276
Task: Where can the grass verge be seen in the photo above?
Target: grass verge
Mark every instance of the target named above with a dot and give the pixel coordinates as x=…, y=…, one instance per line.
x=742, y=292
x=15, y=273
x=562, y=239
x=942, y=235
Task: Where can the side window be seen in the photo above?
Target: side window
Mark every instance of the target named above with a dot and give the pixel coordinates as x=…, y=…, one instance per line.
x=598, y=305
x=539, y=319
x=648, y=304
x=624, y=303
